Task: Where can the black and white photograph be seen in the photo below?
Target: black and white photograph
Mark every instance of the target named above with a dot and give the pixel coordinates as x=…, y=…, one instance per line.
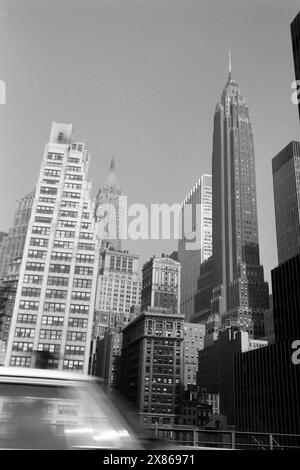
x=149, y=229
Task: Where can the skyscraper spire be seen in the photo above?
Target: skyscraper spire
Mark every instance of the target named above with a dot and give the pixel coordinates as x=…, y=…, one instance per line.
x=112, y=164
x=229, y=63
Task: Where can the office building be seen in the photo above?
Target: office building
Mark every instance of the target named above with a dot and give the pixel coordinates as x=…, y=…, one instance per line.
x=267, y=390
x=239, y=295
x=54, y=303
x=216, y=366
x=161, y=284
x=267, y=382
x=118, y=284
x=193, y=342
x=151, y=364
x=12, y=245
x=195, y=244
x=106, y=363
x=286, y=184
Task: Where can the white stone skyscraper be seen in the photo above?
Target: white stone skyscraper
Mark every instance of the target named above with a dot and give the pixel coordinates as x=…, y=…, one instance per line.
x=196, y=218
x=54, y=305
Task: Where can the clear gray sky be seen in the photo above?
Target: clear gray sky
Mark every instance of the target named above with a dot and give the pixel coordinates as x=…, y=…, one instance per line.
x=139, y=79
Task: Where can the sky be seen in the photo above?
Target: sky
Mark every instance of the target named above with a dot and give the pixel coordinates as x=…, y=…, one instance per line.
x=140, y=79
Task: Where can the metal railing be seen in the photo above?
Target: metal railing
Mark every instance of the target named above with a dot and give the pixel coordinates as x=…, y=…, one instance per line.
x=237, y=440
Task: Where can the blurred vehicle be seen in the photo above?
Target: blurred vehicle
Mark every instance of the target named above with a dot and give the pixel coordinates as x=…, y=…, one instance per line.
x=46, y=409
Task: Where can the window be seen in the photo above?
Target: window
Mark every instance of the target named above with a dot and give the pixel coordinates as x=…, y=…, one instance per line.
x=32, y=279
x=24, y=332
x=65, y=234
x=83, y=258
x=52, y=320
x=76, y=295
x=75, y=365
x=52, y=348
x=64, y=213
x=57, y=281
x=72, y=349
x=31, y=292
x=26, y=318
x=39, y=229
x=28, y=305
x=56, y=294
x=37, y=254
x=22, y=346
x=20, y=361
x=84, y=270
x=45, y=209
x=59, y=268
x=38, y=241
x=76, y=336
x=61, y=256
x=86, y=283
x=46, y=190
x=86, y=235
x=67, y=223
x=55, y=156
x=75, y=308
x=35, y=266
x=50, y=334
x=71, y=195
x=63, y=244
x=78, y=322
x=54, y=307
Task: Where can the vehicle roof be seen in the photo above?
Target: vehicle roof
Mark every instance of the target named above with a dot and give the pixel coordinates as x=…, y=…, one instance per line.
x=30, y=373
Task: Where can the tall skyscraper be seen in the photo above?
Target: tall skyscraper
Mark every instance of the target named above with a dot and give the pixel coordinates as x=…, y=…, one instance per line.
x=109, y=211
x=196, y=220
x=240, y=294
x=286, y=184
x=161, y=284
x=13, y=245
x=54, y=303
x=295, y=32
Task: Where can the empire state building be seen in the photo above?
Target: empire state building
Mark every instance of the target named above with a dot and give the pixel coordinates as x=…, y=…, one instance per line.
x=240, y=295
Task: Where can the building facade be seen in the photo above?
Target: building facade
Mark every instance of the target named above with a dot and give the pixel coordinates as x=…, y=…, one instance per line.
x=151, y=365
x=109, y=211
x=239, y=295
x=106, y=363
x=195, y=244
x=161, y=284
x=216, y=366
x=13, y=245
x=118, y=284
x=193, y=342
x=54, y=304
x=267, y=390
x=286, y=185
x=8, y=290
